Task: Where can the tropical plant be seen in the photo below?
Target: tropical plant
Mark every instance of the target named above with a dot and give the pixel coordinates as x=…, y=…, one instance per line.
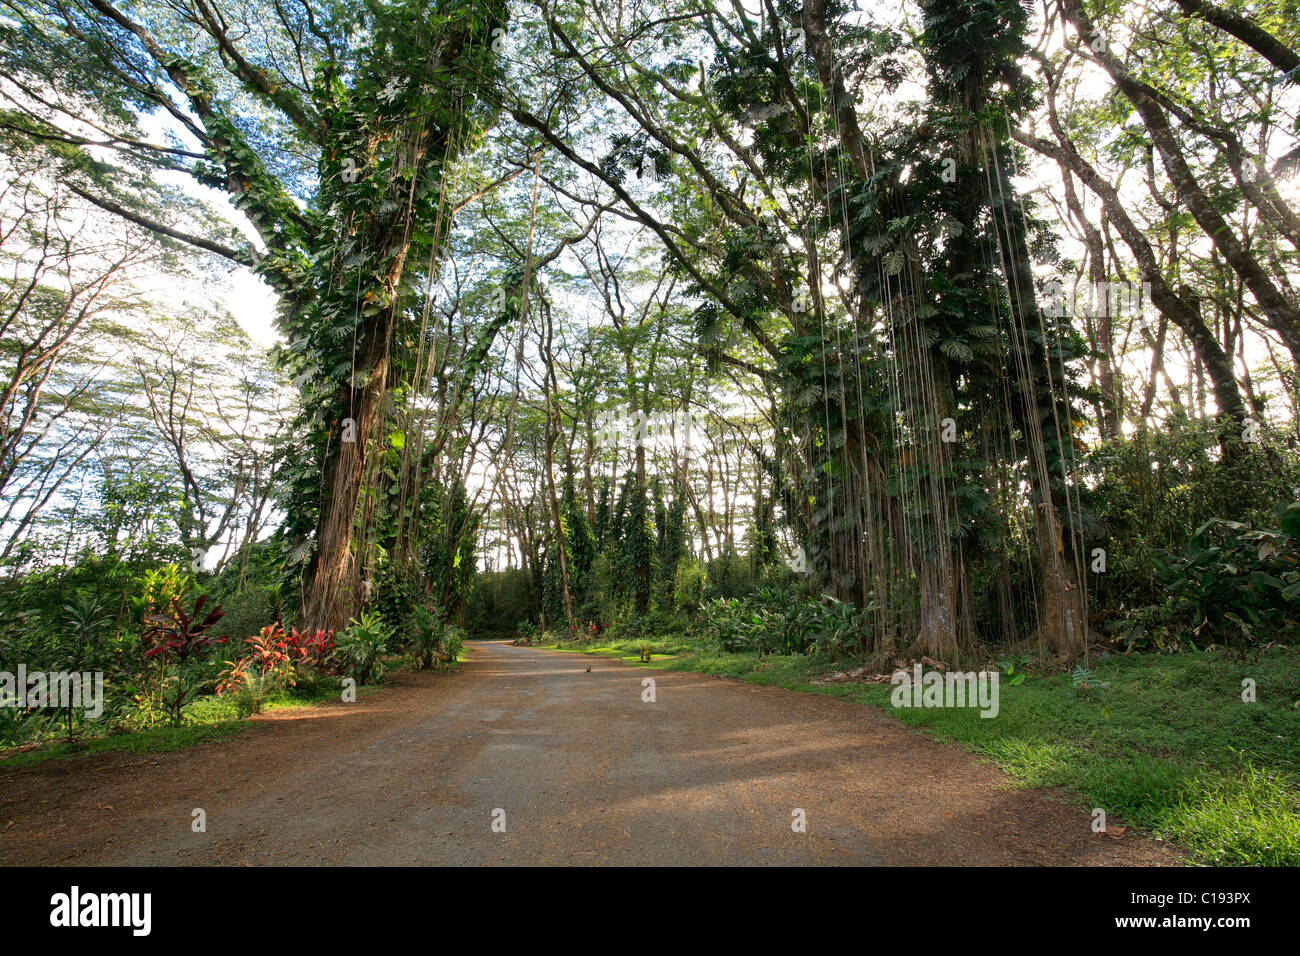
x=527, y=632
x=436, y=641
x=175, y=641
x=80, y=645
x=19, y=725
x=267, y=657
x=1085, y=680
x=309, y=649
x=426, y=632
x=1234, y=583
x=774, y=620
x=358, y=648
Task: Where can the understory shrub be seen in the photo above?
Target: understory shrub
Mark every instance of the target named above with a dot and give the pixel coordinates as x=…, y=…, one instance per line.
x=358, y=648
x=176, y=642
x=1234, y=584
x=775, y=621
x=435, y=641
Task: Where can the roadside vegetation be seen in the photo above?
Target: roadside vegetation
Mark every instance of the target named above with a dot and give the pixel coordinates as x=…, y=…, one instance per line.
x=779, y=340
x=174, y=673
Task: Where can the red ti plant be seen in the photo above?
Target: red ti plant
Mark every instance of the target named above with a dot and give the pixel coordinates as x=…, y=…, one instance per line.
x=175, y=639
x=268, y=649
x=271, y=649
x=309, y=648
x=269, y=652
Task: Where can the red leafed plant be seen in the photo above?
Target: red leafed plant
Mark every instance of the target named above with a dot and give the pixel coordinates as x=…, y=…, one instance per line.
x=174, y=639
x=271, y=650
x=309, y=648
x=268, y=649
x=268, y=653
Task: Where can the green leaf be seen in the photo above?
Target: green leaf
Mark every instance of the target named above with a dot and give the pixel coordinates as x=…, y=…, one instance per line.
x=956, y=349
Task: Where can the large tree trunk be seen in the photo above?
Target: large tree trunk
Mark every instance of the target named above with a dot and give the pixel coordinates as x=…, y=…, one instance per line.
x=417, y=143
x=641, y=572
x=329, y=594
x=551, y=387
x=1063, y=619
x=1062, y=624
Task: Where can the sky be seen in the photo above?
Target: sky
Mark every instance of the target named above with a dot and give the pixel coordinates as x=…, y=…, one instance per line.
x=248, y=298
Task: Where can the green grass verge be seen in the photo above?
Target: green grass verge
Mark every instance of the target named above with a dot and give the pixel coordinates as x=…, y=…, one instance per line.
x=1169, y=746
x=207, y=718
x=154, y=740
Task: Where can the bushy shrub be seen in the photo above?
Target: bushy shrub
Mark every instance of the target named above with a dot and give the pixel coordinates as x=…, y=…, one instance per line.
x=828, y=626
x=1145, y=496
x=453, y=642
x=20, y=725
x=775, y=621
x=435, y=641
x=359, y=646
x=265, y=669
x=1237, y=584
x=689, y=591
x=528, y=632
x=248, y=610
x=728, y=576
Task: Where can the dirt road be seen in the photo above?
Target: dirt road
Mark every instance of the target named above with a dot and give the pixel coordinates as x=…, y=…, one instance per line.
x=583, y=769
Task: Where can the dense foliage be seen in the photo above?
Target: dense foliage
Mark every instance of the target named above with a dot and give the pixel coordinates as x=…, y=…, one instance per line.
x=965, y=334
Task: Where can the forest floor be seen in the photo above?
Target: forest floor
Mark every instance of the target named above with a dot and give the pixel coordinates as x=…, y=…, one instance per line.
x=585, y=771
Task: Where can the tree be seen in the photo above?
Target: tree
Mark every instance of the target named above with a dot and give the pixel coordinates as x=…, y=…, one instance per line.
x=375, y=119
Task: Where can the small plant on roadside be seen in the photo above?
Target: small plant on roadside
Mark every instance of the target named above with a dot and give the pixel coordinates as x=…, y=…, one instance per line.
x=358, y=648
x=176, y=642
x=527, y=633
x=266, y=668
x=1013, y=668
x=453, y=642
x=426, y=634
x=1084, y=680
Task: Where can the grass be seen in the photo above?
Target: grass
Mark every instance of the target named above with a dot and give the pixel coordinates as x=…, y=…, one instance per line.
x=207, y=718
x=154, y=740
x=1169, y=746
